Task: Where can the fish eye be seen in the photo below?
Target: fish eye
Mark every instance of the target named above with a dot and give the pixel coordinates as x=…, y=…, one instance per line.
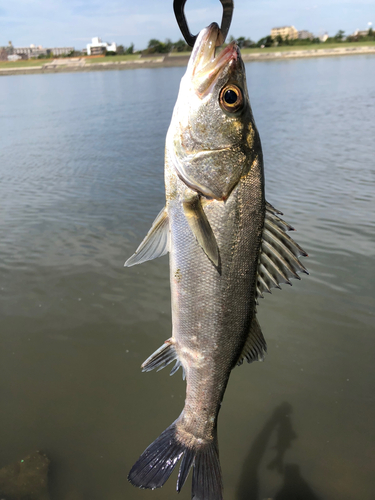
x=231, y=98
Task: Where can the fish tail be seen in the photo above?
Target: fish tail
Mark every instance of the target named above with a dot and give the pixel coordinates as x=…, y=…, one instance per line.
x=158, y=461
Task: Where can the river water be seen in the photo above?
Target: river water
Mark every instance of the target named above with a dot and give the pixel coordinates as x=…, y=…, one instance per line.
x=81, y=180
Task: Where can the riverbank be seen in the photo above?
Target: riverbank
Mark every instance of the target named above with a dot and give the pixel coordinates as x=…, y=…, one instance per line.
x=103, y=64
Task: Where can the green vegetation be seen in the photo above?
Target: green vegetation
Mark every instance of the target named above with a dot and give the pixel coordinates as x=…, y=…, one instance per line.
x=318, y=46
x=339, y=38
x=24, y=63
x=180, y=48
x=157, y=47
x=360, y=37
x=184, y=53
x=267, y=43
x=29, y=63
x=124, y=57
x=121, y=50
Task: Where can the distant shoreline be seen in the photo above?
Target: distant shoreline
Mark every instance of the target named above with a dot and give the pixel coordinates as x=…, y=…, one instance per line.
x=79, y=64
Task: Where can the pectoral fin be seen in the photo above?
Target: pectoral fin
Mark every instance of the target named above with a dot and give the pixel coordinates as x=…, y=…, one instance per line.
x=156, y=242
x=201, y=228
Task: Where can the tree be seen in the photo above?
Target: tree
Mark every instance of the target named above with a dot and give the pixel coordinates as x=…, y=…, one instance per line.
x=157, y=47
x=279, y=40
x=339, y=35
x=153, y=45
x=120, y=50
x=288, y=41
x=181, y=46
x=244, y=43
x=130, y=49
x=267, y=41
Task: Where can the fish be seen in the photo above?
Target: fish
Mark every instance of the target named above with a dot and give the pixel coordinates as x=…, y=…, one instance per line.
x=227, y=247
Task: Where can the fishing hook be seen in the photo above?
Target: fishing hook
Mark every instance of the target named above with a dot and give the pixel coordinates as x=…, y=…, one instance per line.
x=178, y=7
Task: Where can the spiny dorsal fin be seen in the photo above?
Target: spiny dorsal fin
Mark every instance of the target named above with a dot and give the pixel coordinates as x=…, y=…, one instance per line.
x=255, y=346
x=278, y=259
x=162, y=357
x=201, y=228
x=156, y=242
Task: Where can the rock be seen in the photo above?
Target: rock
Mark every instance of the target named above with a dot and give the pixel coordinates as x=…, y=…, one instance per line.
x=26, y=479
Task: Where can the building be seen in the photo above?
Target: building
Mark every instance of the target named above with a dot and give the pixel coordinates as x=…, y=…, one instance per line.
x=97, y=47
x=32, y=51
x=61, y=51
x=35, y=51
x=14, y=57
x=323, y=38
x=359, y=33
x=6, y=51
x=305, y=35
x=285, y=32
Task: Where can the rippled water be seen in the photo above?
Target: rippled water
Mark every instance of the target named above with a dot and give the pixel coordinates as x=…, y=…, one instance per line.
x=81, y=180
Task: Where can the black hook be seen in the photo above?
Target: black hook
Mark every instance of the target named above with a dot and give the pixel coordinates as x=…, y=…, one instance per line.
x=178, y=6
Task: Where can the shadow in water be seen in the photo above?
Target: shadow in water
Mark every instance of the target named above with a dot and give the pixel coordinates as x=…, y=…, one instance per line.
x=285, y=435
x=294, y=487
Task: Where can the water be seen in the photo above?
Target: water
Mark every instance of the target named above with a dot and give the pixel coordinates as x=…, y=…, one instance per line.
x=81, y=180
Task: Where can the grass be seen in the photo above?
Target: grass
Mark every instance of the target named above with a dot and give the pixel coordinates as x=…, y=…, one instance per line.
x=29, y=63
x=288, y=48
x=179, y=54
x=313, y=46
x=22, y=64
x=108, y=59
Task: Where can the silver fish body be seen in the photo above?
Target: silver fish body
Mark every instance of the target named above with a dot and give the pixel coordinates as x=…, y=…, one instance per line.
x=212, y=309
x=227, y=246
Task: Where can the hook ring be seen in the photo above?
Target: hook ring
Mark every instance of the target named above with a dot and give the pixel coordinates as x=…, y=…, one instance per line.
x=178, y=7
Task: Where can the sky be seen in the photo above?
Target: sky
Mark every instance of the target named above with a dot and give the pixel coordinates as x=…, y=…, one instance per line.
x=59, y=23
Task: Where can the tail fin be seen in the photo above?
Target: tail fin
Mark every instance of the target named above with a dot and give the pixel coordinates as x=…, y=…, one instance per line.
x=157, y=462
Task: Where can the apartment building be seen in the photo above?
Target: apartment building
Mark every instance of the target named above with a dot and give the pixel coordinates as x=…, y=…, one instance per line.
x=284, y=32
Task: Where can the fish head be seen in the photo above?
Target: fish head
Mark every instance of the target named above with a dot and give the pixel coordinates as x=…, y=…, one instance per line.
x=212, y=139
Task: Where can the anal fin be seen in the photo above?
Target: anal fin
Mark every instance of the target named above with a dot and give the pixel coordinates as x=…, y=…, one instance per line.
x=156, y=242
x=255, y=346
x=162, y=357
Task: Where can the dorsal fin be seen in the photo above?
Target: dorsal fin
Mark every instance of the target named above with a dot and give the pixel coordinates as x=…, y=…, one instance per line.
x=278, y=259
x=255, y=346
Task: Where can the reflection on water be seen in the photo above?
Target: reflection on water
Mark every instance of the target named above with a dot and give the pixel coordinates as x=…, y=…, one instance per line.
x=81, y=180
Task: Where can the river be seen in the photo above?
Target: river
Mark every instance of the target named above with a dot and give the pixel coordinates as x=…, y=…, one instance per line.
x=81, y=180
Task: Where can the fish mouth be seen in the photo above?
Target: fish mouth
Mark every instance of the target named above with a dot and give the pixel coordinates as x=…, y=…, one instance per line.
x=204, y=65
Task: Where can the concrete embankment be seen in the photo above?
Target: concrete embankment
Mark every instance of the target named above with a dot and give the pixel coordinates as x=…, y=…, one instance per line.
x=80, y=64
